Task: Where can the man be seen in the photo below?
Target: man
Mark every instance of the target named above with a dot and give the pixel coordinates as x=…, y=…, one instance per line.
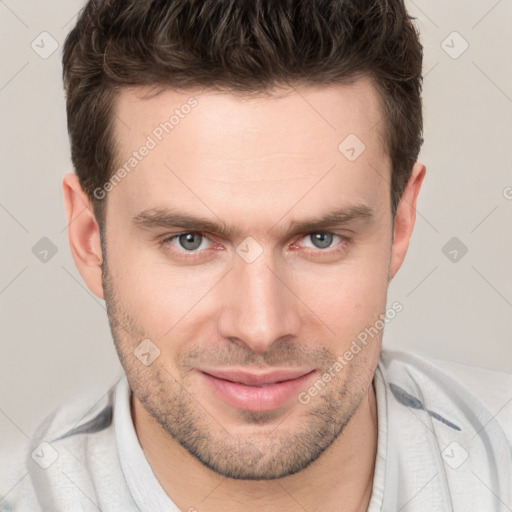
x=245, y=190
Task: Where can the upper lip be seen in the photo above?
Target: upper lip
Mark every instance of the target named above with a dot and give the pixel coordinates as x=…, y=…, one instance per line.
x=257, y=378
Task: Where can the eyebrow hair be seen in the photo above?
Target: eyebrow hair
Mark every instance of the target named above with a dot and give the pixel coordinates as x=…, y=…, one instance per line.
x=168, y=218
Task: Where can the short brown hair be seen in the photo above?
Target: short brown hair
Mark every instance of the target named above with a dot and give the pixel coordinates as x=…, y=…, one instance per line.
x=240, y=46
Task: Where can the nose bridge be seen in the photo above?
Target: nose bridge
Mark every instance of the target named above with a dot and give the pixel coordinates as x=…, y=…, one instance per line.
x=259, y=308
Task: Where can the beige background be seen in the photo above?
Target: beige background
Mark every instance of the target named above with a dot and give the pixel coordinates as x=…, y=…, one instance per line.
x=55, y=335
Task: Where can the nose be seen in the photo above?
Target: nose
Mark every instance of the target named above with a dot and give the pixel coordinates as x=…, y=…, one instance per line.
x=258, y=306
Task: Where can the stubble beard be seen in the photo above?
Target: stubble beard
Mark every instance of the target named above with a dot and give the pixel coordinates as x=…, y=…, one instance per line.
x=274, y=448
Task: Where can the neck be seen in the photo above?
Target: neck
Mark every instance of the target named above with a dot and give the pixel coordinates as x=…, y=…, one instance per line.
x=340, y=479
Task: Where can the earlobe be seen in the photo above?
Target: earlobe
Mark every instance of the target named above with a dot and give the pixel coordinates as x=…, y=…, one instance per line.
x=83, y=233
x=405, y=218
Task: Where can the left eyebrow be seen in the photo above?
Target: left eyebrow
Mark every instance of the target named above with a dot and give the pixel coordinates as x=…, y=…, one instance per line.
x=338, y=217
x=169, y=218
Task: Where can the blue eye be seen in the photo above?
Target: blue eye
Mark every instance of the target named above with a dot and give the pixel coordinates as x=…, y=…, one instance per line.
x=323, y=239
x=188, y=241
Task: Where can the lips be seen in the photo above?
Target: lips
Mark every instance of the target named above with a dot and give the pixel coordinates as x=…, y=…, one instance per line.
x=256, y=390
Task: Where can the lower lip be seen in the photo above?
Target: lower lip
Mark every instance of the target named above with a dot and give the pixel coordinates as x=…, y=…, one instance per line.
x=254, y=398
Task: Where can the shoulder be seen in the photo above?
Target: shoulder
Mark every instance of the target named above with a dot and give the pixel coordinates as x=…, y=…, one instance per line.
x=33, y=473
x=485, y=391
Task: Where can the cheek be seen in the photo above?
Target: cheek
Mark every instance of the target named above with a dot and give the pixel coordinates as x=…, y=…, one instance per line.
x=166, y=301
x=350, y=296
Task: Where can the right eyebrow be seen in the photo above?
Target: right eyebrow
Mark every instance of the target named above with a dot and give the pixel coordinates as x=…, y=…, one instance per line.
x=159, y=218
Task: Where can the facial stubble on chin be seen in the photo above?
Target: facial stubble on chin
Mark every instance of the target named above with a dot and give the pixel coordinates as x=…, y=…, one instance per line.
x=275, y=448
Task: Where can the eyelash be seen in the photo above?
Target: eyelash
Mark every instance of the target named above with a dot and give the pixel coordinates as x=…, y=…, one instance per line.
x=166, y=243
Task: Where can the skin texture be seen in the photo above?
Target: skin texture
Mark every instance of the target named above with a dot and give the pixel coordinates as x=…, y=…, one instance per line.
x=259, y=164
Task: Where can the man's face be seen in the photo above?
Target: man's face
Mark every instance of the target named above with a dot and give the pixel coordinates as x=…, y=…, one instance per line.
x=234, y=312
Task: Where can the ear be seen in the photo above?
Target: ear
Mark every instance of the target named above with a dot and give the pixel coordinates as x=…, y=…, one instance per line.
x=83, y=233
x=404, y=219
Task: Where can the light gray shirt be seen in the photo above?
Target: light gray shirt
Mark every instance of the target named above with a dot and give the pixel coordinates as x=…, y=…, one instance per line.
x=444, y=444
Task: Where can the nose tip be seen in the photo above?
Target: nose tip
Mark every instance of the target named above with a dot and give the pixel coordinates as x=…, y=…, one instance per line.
x=259, y=309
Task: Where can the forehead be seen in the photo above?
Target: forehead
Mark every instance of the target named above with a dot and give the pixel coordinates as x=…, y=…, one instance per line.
x=330, y=112
x=210, y=147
